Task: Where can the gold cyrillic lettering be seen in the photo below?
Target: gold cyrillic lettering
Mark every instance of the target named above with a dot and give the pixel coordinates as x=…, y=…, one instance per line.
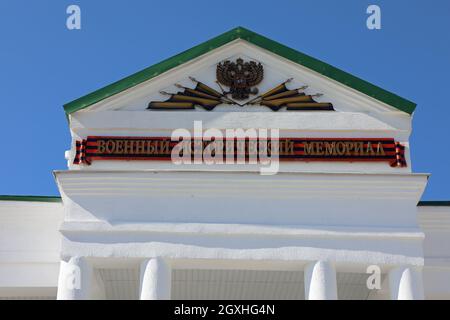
x=359, y=148
x=289, y=148
x=128, y=146
x=319, y=148
x=119, y=146
x=308, y=148
x=330, y=148
x=349, y=148
x=150, y=147
x=164, y=147
x=370, y=149
x=101, y=146
x=139, y=146
x=110, y=146
x=340, y=148
x=380, y=149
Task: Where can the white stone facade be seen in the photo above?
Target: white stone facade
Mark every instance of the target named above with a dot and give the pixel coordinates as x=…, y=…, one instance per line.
x=154, y=230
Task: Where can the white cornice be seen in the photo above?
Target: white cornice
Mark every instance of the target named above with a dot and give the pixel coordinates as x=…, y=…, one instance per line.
x=169, y=121
x=241, y=184
x=330, y=232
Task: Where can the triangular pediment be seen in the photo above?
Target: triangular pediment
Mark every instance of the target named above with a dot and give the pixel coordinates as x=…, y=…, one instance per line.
x=279, y=62
x=196, y=87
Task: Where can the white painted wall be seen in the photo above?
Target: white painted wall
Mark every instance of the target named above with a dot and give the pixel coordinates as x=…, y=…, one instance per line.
x=30, y=247
x=435, y=221
x=29, y=255
x=347, y=218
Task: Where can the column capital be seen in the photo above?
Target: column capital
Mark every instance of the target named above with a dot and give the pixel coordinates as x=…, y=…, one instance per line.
x=320, y=281
x=406, y=283
x=155, y=279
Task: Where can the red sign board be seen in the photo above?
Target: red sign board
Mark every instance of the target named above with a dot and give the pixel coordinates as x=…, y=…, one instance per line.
x=289, y=149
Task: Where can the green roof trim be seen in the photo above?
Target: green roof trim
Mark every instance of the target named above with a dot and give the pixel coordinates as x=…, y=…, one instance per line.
x=31, y=198
x=258, y=40
x=433, y=204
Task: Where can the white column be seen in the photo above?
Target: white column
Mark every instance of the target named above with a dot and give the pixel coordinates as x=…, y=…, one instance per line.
x=74, y=279
x=320, y=281
x=405, y=283
x=155, y=280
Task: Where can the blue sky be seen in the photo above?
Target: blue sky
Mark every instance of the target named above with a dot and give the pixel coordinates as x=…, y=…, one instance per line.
x=44, y=65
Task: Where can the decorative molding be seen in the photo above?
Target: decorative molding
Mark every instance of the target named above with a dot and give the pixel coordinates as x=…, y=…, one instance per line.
x=279, y=254
x=101, y=227
x=285, y=185
x=209, y=98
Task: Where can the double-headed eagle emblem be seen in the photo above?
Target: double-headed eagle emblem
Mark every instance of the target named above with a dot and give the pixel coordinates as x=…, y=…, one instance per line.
x=240, y=76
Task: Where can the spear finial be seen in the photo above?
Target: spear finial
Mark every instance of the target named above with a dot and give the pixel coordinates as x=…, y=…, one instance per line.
x=218, y=83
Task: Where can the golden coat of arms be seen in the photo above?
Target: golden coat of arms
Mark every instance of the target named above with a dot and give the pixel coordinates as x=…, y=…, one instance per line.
x=240, y=76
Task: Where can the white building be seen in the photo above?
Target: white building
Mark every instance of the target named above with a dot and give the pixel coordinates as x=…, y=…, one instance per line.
x=130, y=228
